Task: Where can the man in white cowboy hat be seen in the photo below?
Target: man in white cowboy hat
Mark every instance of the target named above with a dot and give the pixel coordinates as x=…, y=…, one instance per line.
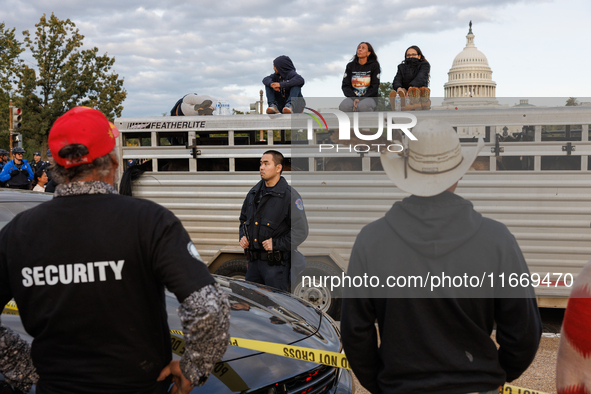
x=436, y=339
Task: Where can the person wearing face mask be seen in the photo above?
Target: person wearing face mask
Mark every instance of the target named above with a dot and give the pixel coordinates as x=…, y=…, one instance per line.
x=361, y=81
x=412, y=81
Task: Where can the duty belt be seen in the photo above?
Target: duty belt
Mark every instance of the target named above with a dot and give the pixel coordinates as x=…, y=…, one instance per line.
x=272, y=257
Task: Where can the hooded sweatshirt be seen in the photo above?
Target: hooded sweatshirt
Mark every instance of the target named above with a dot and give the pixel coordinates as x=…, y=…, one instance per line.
x=361, y=80
x=287, y=77
x=437, y=341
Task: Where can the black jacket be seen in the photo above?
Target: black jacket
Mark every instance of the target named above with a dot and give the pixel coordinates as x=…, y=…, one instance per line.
x=408, y=75
x=361, y=80
x=35, y=166
x=279, y=215
x=438, y=341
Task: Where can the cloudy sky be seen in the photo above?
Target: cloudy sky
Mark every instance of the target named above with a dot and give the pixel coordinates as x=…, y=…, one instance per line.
x=224, y=48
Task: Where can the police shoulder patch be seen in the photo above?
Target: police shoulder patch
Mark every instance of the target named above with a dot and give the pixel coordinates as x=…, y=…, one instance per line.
x=193, y=251
x=299, y=204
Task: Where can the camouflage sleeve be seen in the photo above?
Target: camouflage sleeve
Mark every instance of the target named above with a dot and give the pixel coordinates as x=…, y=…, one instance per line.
x=205, y=317
x=15, y=360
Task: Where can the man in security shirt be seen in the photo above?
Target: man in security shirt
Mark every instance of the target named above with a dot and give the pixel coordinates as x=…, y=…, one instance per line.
x=91, y=292
x=272, y=224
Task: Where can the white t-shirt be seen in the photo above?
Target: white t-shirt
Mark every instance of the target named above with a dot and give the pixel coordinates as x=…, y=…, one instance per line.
x=39, y=188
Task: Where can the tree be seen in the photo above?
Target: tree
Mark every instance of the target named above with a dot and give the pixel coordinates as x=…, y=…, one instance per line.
x=385, y=89
x=384, y=94
x=572, y=102
x=10, y=65
x=66, y=76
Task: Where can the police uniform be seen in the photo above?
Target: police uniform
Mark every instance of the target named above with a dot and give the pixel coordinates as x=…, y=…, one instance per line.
x=37, y=165
x=276, y=213
x=2, y=164
x=17, y=176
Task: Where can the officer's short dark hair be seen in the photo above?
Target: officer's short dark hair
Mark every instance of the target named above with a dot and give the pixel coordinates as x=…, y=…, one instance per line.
x=277, y=157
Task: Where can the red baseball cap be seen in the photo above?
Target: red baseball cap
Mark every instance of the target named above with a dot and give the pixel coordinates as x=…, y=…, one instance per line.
x=84, y=126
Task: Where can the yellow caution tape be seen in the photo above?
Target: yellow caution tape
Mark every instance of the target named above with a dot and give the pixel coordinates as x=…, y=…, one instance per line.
x=10, y=309
x=510, y=389
x=226, y=374
x=332, y=359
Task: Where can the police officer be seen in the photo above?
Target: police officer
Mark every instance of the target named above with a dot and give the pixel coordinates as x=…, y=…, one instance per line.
x=37, y=163
x=272, y=224
x=3, y=161
x=17, y=173
x=3, y=158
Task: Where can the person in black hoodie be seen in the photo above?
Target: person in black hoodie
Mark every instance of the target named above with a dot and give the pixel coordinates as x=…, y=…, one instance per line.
x=412, y=81
x=282, y=86
x=437, y=340
x=361, y=80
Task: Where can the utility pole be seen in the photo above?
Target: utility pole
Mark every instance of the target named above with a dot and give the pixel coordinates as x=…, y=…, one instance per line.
x=261, y=134
x=10, y=127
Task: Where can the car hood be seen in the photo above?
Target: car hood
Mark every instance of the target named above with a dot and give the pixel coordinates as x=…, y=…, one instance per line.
x=265, y=314
x=260, y=313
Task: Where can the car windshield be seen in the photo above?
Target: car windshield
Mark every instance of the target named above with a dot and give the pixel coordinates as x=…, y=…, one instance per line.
x=8, y=210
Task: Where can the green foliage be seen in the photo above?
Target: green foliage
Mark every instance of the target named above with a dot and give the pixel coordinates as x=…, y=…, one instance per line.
x=64, y=77
x=572, y=102
x=385, y=89
x=384, y=94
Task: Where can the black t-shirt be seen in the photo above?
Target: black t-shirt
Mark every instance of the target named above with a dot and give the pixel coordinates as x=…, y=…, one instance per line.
x=91, y=292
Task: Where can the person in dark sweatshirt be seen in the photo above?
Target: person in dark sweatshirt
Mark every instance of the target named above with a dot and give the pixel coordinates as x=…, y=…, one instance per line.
x=437, y=338
x=361, y=81
x=283, y=86
x=412, y=81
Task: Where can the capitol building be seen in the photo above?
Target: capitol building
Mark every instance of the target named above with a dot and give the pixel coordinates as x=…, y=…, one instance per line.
x=470, y=83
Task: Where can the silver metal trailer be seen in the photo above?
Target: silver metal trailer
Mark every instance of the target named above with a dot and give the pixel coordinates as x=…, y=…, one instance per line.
x=539, y=185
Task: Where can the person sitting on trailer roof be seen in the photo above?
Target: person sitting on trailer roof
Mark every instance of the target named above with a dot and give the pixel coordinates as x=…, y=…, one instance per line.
x=194, y=104
x=361, y=81
x=284, y=88
x=412, y=81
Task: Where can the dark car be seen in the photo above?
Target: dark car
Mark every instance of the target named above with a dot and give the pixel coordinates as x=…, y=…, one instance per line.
x=13, y=202
x=257, y=312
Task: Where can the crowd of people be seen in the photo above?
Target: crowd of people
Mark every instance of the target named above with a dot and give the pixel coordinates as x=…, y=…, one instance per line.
x=437, y=344
x=19, y=173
